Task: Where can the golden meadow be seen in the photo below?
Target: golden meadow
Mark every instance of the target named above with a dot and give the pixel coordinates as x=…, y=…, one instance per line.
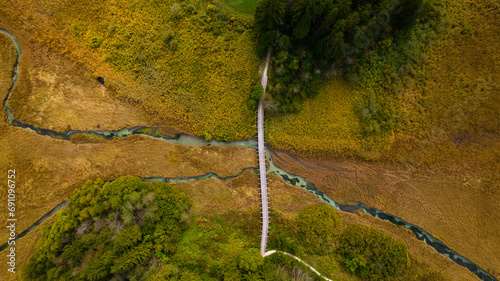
x=192, y=65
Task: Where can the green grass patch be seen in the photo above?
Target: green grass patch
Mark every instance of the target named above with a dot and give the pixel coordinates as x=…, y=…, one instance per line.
x=244, y=6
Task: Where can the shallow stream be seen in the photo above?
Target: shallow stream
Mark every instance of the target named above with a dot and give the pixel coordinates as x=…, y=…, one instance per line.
x=295, y=180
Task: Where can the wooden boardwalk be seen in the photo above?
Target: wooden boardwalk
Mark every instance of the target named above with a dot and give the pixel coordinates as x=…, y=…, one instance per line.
x=262, y=162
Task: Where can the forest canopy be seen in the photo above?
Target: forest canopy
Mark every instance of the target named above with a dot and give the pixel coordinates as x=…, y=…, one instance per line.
x=110, y=230
x=310, y=38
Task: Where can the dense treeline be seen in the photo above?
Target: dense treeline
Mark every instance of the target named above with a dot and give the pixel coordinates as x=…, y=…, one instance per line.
x=116, y=229
x=315, y=39
x=332, y=29
x=131, y=230
x=318, y=228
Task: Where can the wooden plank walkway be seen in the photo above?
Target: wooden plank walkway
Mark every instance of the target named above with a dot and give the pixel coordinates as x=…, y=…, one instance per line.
x=262, y=162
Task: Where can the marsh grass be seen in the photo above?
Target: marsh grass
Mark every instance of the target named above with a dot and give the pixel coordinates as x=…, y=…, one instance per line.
x=326, y=125
x=244, y=6
x=454, y=101
x=191, y=64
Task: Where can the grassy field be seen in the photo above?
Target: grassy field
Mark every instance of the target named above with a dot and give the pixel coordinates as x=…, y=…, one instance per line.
x=326, y=126
x=456, y=99
x=244, y=6
x=455, y=200
x=163, y=68
x=190, y=64
x=56, y=94
x=8, y=59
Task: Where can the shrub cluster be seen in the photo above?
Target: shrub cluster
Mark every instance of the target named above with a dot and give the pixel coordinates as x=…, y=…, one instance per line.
x=370, y=253
x=319, y=230
x=110, y=230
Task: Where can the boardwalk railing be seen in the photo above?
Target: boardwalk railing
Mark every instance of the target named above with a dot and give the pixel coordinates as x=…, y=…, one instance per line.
x=262, y=162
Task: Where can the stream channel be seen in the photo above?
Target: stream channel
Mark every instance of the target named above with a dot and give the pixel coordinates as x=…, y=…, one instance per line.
x=182, y=139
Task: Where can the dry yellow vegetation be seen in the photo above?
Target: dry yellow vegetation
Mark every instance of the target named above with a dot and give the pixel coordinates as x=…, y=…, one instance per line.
x=8, y=59
x=458, y=99
x=54, y=93
x=190, y=64
x=326, y=125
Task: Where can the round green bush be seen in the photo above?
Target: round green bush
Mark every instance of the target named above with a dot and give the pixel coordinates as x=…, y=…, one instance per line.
x=318, y=227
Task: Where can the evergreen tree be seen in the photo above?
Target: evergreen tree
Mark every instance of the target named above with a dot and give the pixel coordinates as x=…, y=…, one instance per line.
x=269, y=14
x=405, y=15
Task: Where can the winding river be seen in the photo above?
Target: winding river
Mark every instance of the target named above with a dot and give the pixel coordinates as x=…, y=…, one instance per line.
x=182, y=139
